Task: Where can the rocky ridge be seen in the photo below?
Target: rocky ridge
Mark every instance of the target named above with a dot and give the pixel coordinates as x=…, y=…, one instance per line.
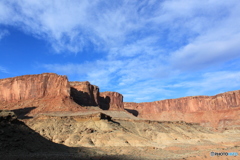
x=211, y=111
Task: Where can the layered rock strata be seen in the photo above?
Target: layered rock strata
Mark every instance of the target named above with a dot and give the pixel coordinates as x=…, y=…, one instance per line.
x=111, y=101
x=85, y=93
x=41, y=92
x=208, y=110
x=33, y=87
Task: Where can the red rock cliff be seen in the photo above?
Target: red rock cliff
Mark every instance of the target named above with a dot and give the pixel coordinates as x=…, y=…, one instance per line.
x=85, y=93
x=33, y=86
x=200, y=109
x=111, y=101
x=44, y=92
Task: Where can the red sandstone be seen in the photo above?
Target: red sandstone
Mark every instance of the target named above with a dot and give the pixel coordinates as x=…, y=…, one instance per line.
x=111, y=101
x=208, y=110
x=85, y=93
x=42, y=92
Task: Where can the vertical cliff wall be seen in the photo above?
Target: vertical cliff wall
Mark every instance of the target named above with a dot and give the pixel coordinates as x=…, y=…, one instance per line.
x=111, y=101
x=33, y=86
x=44, y=92
x=85, y=93
x=201, y=109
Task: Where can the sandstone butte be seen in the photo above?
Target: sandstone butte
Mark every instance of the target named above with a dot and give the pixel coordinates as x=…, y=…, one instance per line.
x=39, y=93
x=84, y=93
x=111, y=101
x=49, y=92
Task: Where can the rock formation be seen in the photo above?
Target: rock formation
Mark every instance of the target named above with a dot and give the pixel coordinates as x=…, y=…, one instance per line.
x=44, y=92
x=200, y=109
x=111, y=101
x=49, y=92
x=85, y=93
x=33, y=87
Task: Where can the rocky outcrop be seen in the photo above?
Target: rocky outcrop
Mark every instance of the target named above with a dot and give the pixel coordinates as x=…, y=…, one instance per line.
x=33, y=87
x=7, y=116
x=200, y=109
x=85, y=93
x=111, y=101
x=44, y=92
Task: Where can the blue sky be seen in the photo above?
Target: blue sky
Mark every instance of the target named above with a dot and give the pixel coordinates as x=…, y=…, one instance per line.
x=147, y=50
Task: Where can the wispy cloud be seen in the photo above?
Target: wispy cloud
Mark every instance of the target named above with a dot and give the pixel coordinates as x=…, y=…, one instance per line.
x=209, y=83
x=3, y=33
x=3, y=70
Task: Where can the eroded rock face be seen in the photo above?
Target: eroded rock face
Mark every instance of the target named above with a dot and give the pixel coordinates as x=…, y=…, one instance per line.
x=111, y=101
x=33, y=86
x=200, y=109
x=85, y=93
x=41, y=93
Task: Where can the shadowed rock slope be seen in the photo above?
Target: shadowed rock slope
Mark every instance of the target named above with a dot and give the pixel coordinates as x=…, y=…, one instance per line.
x=19, y=142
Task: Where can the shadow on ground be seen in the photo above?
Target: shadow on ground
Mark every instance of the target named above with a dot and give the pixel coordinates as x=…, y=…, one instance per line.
x=19, y=142
x=133, y=112
x=105, y=102
x=22, y=112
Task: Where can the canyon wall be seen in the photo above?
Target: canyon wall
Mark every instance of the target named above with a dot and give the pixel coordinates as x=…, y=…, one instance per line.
x=33, y=86
x=85, y=93
x=49, y=92
x=111, y=101
x=208, y=110
x=36, y=93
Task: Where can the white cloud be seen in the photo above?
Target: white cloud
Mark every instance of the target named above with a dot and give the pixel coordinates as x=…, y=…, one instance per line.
x=144, y=91
x=203, y=53
x=97, y=72
x=70, y=26
x=209, y=83
x=3, y=70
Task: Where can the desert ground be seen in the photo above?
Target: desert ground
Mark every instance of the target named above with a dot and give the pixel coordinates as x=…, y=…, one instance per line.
x=109, y=135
